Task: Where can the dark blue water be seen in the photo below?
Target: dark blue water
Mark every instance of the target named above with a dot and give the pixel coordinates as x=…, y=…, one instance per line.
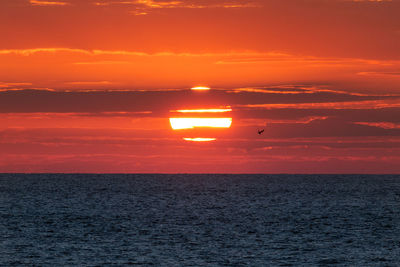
x=196, y=220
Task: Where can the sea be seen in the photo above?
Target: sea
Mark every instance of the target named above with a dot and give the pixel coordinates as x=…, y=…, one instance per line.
x=199, y=220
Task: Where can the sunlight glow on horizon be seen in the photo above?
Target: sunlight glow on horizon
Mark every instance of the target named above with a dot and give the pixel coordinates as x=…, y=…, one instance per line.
x=190, y=123
x=200, y=88
x=213, y=110
x=200, y=139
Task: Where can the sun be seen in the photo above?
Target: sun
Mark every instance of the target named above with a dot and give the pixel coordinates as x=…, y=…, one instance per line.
x=189, y=120
x=200, y=88
x=199, y=139
x=190, y=123
x=204, y=110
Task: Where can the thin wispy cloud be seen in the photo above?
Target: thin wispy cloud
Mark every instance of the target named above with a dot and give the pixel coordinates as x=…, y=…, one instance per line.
x=90, y=83
x=234, y=57
x=104, y=62
x=309, y=60
x=13, y=84
x=251, y=67
x=48, y=3
x=377, y=73
x=28, y=52
x=369, y=104
x=151, y=4
x=145, y=7
x=384, y=125
x=369, y=1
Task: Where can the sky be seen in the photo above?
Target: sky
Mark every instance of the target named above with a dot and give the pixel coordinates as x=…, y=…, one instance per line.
x=96, y=85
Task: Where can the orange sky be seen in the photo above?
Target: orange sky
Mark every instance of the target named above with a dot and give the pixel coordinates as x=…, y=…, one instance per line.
x=89, y=86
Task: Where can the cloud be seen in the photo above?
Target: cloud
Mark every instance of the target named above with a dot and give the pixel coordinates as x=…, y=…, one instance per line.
x=97, y=52
x=198, y=4
x=90, y=83
x=384, y=125
x=162, y=101
x=144, y=6
x=8, y=84
x=377, y=73
x=122, y=151
x=368, y=1
x=29, y=52
x=300, y=89
x=233, y=57
x=310, y=60
x=47, y=3
x=305, y=120
x=104, y=62
x=135, y=69
x=368, y=104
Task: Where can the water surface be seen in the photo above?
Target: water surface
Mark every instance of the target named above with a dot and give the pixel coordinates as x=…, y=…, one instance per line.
x=195, y=220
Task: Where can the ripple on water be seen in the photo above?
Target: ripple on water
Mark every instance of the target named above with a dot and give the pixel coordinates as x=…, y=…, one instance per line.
x=195, y=220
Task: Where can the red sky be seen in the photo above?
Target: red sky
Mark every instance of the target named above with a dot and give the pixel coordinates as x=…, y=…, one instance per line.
x=89, y=86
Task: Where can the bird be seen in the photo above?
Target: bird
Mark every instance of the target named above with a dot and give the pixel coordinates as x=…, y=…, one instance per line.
x=261, y=131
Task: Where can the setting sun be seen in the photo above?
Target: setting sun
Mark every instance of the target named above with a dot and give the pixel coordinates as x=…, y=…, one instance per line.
x=213, y=110
x=199, y=139
x=200, y=88
x=190, y=123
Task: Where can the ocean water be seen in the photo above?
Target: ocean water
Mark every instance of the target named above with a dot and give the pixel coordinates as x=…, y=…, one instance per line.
x=199, y=220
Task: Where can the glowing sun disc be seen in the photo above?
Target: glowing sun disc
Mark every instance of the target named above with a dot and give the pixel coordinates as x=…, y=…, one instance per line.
x=200, y=139
x=210, y=110
x=201, y=88
x=190, y=123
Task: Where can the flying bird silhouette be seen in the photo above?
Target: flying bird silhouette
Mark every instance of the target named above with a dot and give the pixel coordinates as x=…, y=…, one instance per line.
x=261, y=131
